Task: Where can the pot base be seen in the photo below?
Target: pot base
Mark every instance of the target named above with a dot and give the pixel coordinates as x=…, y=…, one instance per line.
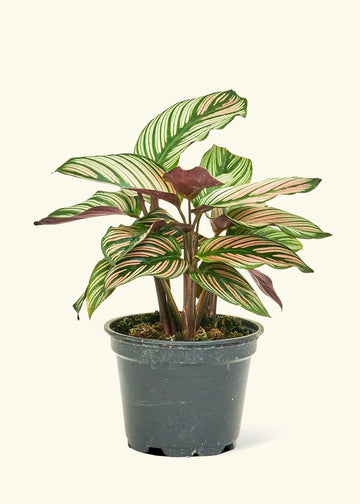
x=180, y=452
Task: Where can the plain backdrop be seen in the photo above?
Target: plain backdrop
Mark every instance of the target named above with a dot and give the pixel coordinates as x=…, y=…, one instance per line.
x=83, y=78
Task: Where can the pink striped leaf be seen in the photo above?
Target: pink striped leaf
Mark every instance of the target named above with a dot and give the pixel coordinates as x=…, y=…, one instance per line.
x=124, y=170
x=248, y=251
x=101, y=203
x=170, y=226
x=265, y=285
x=157, y=255
x=96, y=291
x=291, y=224
x=118, y=241
x=259, y=192
x=167, y=135
x=223, y=165
x=228, y=284
x=269, y=232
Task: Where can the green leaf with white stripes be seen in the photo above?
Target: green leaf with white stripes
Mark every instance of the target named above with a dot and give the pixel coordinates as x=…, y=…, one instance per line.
x=269, y=232
x=228, y=284
x=258, y=192
x=121, y=239
x=79, y=302
x=101, y=203
x=232, y=170
x=171, y=132
x=97, y=291
x=124, y=170
x=157, y=255
x=248, y=251
x=291, y=224
x=118, y=241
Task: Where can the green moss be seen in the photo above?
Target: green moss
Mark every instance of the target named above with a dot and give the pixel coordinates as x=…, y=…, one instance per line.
x=148, y=326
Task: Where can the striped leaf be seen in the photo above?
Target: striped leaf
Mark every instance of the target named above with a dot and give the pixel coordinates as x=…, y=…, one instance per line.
x=172, y=131
x=96, y=291
x=265, y=285
x=228, y=284
x=269, y=232
x=124, y=170
x=78, y=303
x=157, y=255
x=258, y=192
x=101, y=203
x=250, y=252
x=232, y=170
x=291, y=224
x=118, y=241
x=168, y=229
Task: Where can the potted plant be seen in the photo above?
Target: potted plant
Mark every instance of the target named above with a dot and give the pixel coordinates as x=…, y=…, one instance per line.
x=183, y=372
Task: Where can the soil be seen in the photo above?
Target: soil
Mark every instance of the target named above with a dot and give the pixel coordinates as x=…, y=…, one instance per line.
x=148, y=326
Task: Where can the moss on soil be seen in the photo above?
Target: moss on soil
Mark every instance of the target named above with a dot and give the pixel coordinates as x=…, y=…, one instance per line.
x=148, y=326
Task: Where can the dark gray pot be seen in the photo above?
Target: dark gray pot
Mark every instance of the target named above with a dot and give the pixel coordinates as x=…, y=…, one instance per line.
x=183, y=398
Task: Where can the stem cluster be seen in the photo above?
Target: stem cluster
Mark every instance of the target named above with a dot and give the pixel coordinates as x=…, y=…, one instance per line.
x=189, y=320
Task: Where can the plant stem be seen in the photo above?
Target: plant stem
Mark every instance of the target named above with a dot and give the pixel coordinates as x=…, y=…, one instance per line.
x=211, y=307
x=201, y=307
x=172, y=304
x=165, y=320
x=164, y=316
x=182, y=215
x=142, y=204
x=154, y=203
x=188, y=313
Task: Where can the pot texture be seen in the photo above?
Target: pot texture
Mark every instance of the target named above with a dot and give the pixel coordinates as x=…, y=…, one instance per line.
x=183, y=398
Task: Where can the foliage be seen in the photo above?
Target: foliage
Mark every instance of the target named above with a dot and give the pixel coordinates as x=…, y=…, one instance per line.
x=247, y=233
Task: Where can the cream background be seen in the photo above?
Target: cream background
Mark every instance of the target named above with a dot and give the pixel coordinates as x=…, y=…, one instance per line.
x=82, y=78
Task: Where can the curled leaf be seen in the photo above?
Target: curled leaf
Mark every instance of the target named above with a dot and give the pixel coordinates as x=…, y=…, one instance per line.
x=167, y=196
x=221, y=223
x=265, y=285
x=189, y=183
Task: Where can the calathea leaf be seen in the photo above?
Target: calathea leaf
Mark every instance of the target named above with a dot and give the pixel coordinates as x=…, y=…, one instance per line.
x=166, y=196
x=189, y=183
x=78, y=303
x=291, y=224
x=124, y=170
x=258, y=192
x=220, y=162
x=269, y=232
x=248, y=251
x=169, y=226
x=172, y=131
x=157, y=255
x=96, y=291
x=220, y=223
x=101, y=203
x=228, y=284
x=118, y=241
x=265, y=285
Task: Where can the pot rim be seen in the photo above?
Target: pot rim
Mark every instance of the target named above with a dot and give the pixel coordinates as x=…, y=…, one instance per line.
x=135, y=340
